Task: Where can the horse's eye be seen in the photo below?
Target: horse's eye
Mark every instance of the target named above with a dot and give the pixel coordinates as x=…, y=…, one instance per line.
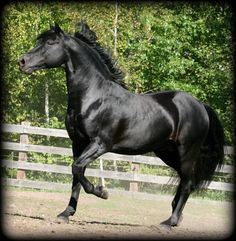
x=50, y=42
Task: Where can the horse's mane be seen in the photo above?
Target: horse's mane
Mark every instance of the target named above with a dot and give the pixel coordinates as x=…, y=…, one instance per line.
x=89, y=37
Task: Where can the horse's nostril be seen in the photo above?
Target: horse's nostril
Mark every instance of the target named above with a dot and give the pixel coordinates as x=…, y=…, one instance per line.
x=22, y=62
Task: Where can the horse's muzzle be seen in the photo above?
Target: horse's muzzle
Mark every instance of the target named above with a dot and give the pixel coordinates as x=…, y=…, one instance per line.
x=23, y=67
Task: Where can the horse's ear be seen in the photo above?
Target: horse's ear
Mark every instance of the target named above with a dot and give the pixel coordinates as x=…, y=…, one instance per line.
x=86, y=31
x=58, y=30
x=82, y=26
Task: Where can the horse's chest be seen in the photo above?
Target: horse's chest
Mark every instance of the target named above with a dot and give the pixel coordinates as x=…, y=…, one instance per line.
x=74, y=125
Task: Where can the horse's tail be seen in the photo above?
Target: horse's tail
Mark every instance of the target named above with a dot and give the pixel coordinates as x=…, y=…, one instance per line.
x=211, y=152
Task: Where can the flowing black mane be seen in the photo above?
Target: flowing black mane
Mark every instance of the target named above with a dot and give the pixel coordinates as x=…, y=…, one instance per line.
x=89, y=37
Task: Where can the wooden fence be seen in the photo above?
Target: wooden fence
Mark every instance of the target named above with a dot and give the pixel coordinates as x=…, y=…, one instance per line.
x=23, y=147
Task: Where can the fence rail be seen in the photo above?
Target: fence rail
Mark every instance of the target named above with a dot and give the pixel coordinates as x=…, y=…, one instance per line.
x=108, y=156
x=133, y=177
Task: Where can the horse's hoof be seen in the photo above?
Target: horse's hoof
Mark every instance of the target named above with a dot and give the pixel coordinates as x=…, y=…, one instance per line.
x=62, y=219
x=166, y=227
x=104, y=193
x=180, y=220
x=166, y=224
x=173, y=221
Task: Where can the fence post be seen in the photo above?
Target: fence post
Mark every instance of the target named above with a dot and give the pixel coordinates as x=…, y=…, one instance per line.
x=115, y=165
x=133, y=186
x=101, y=168
x=23, y=155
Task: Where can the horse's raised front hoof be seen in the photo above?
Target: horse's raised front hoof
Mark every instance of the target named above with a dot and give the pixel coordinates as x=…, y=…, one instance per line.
x=62, y=219
x=104, y=193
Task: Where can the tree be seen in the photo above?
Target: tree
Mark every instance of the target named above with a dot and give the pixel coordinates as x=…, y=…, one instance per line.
x=160, y=46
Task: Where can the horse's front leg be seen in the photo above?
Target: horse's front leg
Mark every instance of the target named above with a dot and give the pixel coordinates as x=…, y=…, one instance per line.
x=91, y=152
x=77, y=148
x=71, y=208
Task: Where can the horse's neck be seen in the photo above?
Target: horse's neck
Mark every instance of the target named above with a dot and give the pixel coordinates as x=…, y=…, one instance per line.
x=87, y=77
x=83, y=69
x=84, y=84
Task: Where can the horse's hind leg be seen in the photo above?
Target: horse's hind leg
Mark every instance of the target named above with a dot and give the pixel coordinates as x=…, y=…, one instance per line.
x=170, y=155
x=176, y=198
x=179, y=202
x=186, y=185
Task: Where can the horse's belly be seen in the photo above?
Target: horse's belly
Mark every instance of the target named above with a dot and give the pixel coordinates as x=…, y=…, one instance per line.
x=141, y=139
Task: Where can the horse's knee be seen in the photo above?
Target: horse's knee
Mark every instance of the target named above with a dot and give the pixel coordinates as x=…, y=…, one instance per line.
x=77, y=169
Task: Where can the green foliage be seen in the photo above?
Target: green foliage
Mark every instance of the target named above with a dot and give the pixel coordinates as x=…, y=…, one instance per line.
x=183, y=47
x=160, y=46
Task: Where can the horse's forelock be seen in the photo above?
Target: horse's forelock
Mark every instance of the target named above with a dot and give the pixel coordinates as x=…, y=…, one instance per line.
x=44, y=36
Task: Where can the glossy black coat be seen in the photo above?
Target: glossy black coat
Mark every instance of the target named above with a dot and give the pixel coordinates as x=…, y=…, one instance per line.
x=103, y=116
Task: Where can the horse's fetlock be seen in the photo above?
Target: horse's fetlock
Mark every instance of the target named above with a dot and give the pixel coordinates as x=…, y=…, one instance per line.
x=89, y=189
x=70, y=210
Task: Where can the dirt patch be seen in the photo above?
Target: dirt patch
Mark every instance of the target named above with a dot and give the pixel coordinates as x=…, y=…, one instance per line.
x=30, y=214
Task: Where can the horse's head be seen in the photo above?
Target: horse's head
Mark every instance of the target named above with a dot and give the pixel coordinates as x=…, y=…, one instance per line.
x=49, y=52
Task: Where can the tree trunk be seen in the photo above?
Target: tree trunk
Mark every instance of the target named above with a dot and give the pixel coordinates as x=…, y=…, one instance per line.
x=46, y=107
x=115, y=29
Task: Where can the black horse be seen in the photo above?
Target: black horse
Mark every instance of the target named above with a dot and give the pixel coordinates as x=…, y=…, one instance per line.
x=103, y=116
